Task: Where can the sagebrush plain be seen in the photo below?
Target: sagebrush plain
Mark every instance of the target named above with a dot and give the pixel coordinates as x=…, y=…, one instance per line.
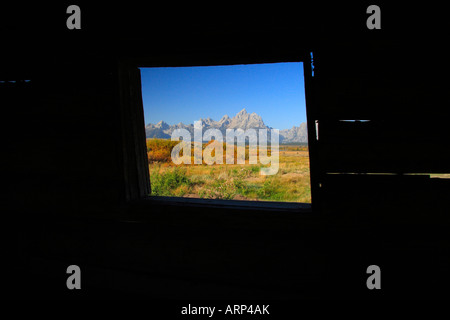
x=230, y=181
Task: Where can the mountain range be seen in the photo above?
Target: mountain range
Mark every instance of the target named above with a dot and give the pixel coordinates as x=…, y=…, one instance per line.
x=242, y=120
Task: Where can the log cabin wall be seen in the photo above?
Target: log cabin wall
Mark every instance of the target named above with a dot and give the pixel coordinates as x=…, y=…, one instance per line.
x=68, y=175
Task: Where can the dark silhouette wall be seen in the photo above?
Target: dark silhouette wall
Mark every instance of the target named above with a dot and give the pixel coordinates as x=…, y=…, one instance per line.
x=64, y=173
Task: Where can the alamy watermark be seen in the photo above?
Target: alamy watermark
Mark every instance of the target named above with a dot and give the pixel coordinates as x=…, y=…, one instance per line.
x=374, y=280
x=74, y=280
x=374, y=20
x=74, y=20
x=213, y=152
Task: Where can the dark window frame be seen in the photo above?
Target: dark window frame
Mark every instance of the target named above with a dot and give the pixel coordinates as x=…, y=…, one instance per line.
x=135, y=163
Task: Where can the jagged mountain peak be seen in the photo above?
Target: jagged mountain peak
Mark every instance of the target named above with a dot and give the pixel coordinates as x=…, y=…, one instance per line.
x=241, y=113
x=242, y=120
x=162, y=125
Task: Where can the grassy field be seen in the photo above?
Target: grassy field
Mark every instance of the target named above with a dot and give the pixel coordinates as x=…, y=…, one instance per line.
x=230, y=181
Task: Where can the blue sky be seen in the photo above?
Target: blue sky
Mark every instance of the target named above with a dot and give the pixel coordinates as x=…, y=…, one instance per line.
x=275, y=91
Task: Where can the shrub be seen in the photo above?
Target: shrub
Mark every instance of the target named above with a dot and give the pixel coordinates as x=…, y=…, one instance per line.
x=159, y=150
x=220, y=189
x=255, y=169
x=167, y=183
x=270, y=190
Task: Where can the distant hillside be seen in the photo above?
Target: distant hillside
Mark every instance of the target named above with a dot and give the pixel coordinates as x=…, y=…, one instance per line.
x=241, y=120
